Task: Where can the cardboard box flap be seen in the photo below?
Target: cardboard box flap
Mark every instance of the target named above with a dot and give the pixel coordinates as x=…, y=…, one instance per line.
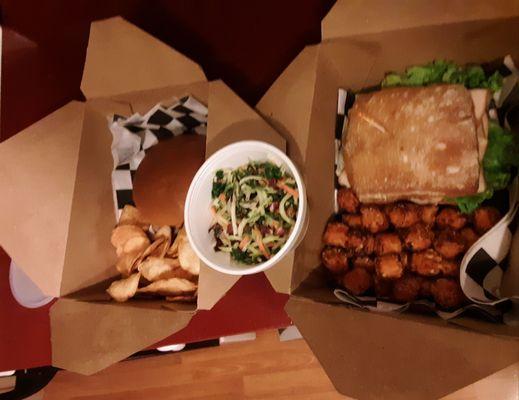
x=288, y=103
x=280, y=276
x=356, y=17
x=406, y=359
x=288, y=107
x=38, y=171
x=87, y=337
x=212, y=286
x=121, y=56
x=231, y=119
x=89, y=255
x=143, y=101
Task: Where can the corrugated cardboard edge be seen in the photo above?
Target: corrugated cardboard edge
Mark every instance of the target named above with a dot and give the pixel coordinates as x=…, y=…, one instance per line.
x=121, y=56
x=293, y=90
x=87, y=337
x=371, y=16
x=230, y=119
x=396, y=342
x=50, y=147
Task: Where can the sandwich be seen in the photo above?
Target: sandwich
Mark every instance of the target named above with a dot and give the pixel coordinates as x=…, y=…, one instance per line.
x=426, y=136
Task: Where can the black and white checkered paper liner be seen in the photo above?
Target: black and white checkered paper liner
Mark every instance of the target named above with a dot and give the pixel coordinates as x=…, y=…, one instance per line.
x=484, y=264
x=134, y=135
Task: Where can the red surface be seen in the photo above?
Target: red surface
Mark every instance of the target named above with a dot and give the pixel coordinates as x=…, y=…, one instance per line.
x=24, y=333
x=249, y=306
x=245, y=43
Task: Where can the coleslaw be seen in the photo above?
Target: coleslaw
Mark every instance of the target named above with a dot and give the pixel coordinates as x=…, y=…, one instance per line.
x=254, y=210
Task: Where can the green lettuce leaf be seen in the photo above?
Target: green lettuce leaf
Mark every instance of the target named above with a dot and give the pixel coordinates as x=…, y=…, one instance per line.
x=441, y=71
x=468, y=204
x=499, y=162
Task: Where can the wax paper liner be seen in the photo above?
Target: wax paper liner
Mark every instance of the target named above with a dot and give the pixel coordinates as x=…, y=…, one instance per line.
x=134, y=135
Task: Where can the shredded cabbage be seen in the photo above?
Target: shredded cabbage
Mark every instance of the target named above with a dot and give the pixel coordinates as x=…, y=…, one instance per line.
x=250, y=210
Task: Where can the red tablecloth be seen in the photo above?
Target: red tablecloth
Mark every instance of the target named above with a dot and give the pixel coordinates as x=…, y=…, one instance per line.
x=245, y=43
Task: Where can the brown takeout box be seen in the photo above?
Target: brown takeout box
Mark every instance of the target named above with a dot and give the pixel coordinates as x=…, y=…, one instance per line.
x=57, y=211
x=369, y=355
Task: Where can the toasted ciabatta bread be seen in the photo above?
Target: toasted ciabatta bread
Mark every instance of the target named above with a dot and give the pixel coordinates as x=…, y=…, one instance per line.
x=419, y=144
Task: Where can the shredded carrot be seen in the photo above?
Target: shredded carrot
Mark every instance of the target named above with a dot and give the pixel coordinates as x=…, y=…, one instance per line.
x=244, y=242
x=287, y=189
x=213, y=211
x=222, y=197
x=261, y=246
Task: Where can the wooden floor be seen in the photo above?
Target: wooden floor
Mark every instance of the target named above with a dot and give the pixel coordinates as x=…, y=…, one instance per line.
x=262, y=369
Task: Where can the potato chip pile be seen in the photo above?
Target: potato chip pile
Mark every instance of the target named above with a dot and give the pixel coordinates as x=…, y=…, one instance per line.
x=151, y=262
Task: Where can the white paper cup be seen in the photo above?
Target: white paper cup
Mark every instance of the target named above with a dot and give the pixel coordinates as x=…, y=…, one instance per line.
x=198, y=217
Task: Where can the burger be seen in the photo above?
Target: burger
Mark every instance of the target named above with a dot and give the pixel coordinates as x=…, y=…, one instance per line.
x=162, y=181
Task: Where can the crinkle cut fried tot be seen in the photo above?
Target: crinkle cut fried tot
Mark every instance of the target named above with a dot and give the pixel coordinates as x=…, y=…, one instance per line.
x=347, y=200
x=405, y=259
x=354, y=221
x=383, y=287
x=425, y=287
x=469, y=236
x=357, y=281
x=355, y=241
x=403, y=215
x=364, y=262
x=335, y=234
x=449, y=243
x=451, y=217
x=429, y=263
x=406, y=289
x=389, y=267
x=426, y=263
x=373, y=219
x=485, y=218
x=428, y=214
x=369, y=244
x=388, y=243
x=450, y=268
x=418, y=237
x=447, y=293
x=335, y=259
